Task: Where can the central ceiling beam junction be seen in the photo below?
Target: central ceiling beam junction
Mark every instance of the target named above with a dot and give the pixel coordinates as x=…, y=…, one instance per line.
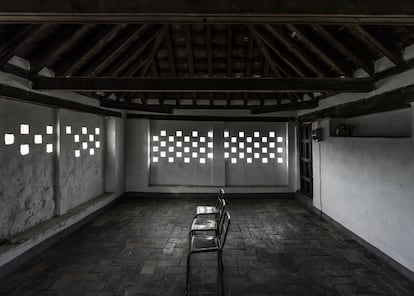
x=141, y=84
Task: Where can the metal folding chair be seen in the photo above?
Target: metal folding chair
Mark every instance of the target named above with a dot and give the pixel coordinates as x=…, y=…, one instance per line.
x=205, y=224
x=209, y=243
x=210, y=210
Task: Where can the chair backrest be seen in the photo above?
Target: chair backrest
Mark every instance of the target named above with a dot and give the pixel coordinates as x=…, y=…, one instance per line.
x=220, y=215
x=220, y=196
x=224, y=229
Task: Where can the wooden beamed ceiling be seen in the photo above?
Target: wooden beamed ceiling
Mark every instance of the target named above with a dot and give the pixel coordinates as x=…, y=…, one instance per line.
x=195, y=54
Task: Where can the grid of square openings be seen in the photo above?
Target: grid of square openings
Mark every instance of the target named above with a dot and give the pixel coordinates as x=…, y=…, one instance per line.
x=174, y=146
x=86, y=140
x=263, y=147
x=26, y=138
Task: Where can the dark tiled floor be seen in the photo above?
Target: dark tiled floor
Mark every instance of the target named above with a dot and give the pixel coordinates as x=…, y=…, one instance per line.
x=275, y=247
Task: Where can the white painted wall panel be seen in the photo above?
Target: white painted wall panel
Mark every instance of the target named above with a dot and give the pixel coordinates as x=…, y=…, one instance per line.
x=81, y=178
x=367, y=185
x=26, y=182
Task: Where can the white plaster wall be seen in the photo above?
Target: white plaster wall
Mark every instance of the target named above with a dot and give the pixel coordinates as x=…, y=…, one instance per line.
x=81, y=179
x=137, y=165
x=26, y=182
x=367, y=185
x=114, y=155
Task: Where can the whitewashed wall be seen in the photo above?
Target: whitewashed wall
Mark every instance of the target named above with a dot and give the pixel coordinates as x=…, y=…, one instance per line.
x=138, y=164
x=367, y=185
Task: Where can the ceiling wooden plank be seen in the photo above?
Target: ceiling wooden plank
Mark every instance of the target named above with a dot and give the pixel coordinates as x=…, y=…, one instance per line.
x=88, y=50
x=225, y=11
x=364, y=63
x=142, y=84
x=389, y=49
x=339, y=67
x=297, y=51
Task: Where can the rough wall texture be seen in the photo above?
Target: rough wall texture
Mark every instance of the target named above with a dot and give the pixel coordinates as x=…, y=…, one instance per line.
x=366, y=184
x=81, y=178
x=26, y=182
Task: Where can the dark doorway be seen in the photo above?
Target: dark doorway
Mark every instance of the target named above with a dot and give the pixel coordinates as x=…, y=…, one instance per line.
x=305, y=154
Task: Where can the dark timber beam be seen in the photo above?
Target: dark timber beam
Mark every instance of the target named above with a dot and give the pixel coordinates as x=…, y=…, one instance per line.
x=364, y=63
x=115, y=50
x=170, y=50
x=88, y=50
x=284, y=107
x=137, y=107
x=297, y=51
x=273, y=66
x=151, y=57
x=14, y=44
x=209, y=51
x=388, y=101
x=212, y=118
x=389, y=49
x=140, y=84
x=336, y=65
x=14, y=93
x=224, y=11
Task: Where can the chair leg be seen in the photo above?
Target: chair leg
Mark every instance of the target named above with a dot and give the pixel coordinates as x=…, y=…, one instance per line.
x=221, y=272
x=187, y=281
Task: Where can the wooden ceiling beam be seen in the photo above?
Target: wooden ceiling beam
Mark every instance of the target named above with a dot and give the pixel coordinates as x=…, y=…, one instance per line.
x=154, y=51
x=57, y=47
x=11, y=46
x=189, y=49
x=281, y=56
x=389, y=50
x=170, y=50
x=388, y=101
x=136, y=107
x=132, y=53
x=225, y=11
x=249, y=53
x=115, y=50
x=209, y=51
x=141, y=84
x=229, y=41
x=299, y=53
x=273, y=66
x=339, y=67
x=364, y=63
x=88, y=50
x=284, y=107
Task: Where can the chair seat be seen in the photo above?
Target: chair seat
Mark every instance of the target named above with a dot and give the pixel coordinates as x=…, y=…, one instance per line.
x=203, y=224
x=206, y=210
x=200, y=242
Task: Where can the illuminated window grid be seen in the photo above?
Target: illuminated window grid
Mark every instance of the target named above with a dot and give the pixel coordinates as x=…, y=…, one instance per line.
x=172, y=146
